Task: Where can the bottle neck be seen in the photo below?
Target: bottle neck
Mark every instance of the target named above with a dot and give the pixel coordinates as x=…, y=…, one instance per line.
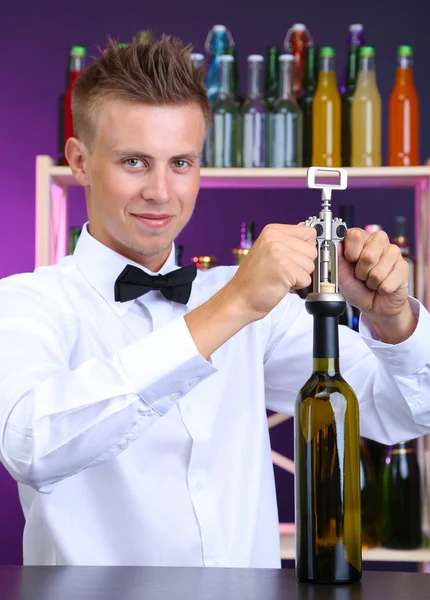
x=226, y=78
x=76, y=63
x=352, y=69
x=404, y=72
x=326, y=337
x=326, y=64
x=367, y=69
x=326, y=365
x=254, y=78
x=309, y=82
x=285, y=79
x=272, y=70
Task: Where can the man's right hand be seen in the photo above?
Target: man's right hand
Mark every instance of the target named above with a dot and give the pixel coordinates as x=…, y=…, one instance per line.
x=281, y=259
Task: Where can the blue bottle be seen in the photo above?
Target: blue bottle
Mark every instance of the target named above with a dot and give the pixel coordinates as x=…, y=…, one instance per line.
x=218, y=41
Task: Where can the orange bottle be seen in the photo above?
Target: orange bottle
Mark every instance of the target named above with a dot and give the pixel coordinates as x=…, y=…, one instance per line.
x=403, y=114
x=296, y=41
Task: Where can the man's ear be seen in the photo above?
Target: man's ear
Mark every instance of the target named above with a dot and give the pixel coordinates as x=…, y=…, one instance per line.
x=76, y=154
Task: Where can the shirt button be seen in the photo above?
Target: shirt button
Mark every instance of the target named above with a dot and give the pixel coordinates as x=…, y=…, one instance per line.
x=174, y=397
x=193, y=381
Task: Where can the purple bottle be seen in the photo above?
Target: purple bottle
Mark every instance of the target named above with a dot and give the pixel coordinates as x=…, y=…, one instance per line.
x=355, y=38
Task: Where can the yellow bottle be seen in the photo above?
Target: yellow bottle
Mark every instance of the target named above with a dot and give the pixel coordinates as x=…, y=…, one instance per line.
x=326, y=114
x=366, y=114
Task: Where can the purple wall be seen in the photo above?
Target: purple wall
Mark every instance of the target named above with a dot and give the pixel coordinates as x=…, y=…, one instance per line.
x=35, y=40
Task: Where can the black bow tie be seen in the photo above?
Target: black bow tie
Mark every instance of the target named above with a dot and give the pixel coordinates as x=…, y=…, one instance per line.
x=176, y=285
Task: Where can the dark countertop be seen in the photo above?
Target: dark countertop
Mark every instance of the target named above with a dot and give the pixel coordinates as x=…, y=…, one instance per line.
x=163, y=583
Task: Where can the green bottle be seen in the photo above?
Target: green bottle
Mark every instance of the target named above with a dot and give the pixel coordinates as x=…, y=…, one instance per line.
x=401, y=498
x=327, y=459
x=272, y=76
x=224, y=130
x=346, y=118
x=306, y=101
x=370, y=514
x=236, y=87
x=74, y=233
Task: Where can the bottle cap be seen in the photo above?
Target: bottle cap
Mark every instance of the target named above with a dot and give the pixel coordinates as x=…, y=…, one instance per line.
x=367, y=51
x=286, y=57
x=122, y=44
x=405, y=51
x=219, y=28
x=228, y=58
x=327, y=52
x=298, y=27
x=78, y=51
x=255, y=58
x=356, y=27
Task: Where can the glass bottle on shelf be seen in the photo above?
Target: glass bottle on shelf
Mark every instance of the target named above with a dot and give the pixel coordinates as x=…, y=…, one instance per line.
x=370, y=513
x=253, y=117
x=306, y=101
x=225, y=118
x=347, y=97
x=77, y=56
x=286, y=120
x=247, y=237
x=400, y=238
x=401, y=498
x=272, y=76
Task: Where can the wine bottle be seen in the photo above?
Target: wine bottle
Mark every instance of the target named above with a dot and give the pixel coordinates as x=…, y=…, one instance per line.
x=178, y=254
x=326, y=428
x=370, y=513
x=401, y=498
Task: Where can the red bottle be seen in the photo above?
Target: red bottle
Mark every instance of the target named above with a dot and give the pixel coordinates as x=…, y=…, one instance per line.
x=77, y=56
x=296, y=41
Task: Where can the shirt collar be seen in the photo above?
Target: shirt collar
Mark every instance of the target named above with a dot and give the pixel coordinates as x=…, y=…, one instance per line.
x=101, y=266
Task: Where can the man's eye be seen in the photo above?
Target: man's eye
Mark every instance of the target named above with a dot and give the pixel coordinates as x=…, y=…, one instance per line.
x=134, y=162
x=181, y=164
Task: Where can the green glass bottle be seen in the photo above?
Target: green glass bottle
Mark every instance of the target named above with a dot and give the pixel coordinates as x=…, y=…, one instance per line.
x=236, y=87
x=327, y=459
x=370, y=514
x=74, y=233
x=272, y=76
x=306, y=101
x=224, y=130
x=351, y=78
x=401, y=498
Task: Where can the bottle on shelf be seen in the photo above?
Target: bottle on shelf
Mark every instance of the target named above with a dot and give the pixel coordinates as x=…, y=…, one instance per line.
x=224, y=146
x=355, y=38
x=326, y=433
x=272, y=76
x=204, y=262
x=247, y=237
x=285, y=122
x=296, y=41
x=369, y=492
x=347, y=97
x=197, y=58
x=306, y=101
x=326, y=115
x=253, y=117
x=401, y=498
x=77, y=57
x=366, y=114
x=74, y=233
x=400, y=238
x=178, y=254
x=232, y=51
x=219, y=40
x=351, y=315
x=403, y=130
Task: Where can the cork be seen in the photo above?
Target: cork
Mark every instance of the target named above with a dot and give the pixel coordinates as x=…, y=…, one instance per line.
x=327, y=288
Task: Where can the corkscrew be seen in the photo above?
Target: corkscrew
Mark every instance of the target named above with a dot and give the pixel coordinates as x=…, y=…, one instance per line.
x=330, y=231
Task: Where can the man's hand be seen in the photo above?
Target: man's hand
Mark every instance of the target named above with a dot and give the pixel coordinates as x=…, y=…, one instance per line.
x=373, y=277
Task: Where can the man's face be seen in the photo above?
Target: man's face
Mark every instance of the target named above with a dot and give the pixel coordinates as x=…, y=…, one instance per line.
x=143, y=176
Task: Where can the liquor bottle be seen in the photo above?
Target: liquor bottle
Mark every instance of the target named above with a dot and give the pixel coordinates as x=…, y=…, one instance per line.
x=296, y=41
x=286, y=120
x=232, y=51
x=253, y=117
x=247, y=236
x=306, y=101
x=369, y=492
x=401, y=498
x=272, y=76
x=355, y=38
x=403, y=127
x=351, y=316
x=219, y=40
x=366, y=114
x=74, y=233
x=225, y=118
x=178, y=254
x=197, y=59
x=347, y=97
x=326, y=115
x=204, y=262
x=400, y=238
x=77, y=56
x=326, y=429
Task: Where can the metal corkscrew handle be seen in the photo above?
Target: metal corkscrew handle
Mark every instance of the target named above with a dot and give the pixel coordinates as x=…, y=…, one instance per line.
x=330, y=231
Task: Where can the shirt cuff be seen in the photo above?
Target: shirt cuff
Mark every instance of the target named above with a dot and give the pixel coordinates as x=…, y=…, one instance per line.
x=165, y=365
x=409, y=356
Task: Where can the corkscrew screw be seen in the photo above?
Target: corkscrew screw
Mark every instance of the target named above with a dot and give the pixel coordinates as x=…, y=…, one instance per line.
x=330, y=231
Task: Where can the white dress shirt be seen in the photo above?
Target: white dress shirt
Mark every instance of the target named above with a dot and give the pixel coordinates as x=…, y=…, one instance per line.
x=131, y=449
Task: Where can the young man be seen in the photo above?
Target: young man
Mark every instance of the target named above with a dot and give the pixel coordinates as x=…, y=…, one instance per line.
x=133, y=407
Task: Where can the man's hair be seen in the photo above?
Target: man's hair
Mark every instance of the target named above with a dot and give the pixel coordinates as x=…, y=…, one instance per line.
x=146, y=71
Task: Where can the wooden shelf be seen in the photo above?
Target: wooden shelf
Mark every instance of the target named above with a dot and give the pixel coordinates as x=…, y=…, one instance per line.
x=375, y=177
x=421, y=555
